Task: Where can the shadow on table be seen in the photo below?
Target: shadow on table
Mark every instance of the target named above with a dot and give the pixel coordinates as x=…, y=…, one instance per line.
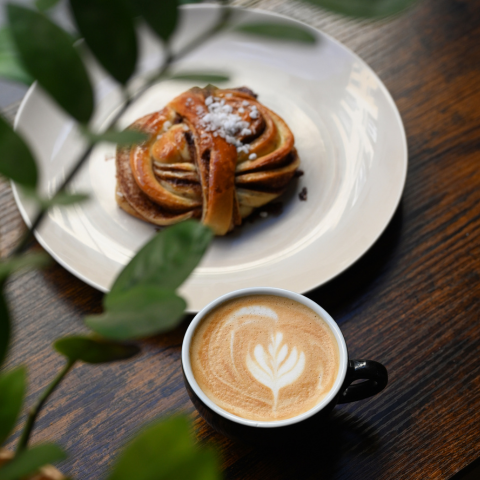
x=321, y=456
x=64, y=286
x=471, y=472
x=340, y=293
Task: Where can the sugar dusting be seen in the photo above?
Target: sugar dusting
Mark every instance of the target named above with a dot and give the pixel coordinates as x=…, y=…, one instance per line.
x=221, y=120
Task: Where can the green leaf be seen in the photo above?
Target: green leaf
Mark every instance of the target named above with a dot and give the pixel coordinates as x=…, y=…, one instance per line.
x=61, y=199
x=31, y=460
x=140, y=312
x=12, y=392
x=16, y=160
x=26, y=261
x=201, y=77
x=5, y=329
x=48, y=54
x=167, y=259
x=166, y=451
x=108, y=29
x=125, y=138
x=10, y=66
x=163, y=21
x=94, y=350
x=44, y=5
x=186, y=2
x=278, y=31
x=64, y=199
x=365, y=8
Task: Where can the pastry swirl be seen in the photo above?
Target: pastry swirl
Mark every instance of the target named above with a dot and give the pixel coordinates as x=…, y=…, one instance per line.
x=211, y=154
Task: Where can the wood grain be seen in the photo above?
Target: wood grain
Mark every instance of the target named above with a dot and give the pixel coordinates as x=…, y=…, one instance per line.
x=411, y=302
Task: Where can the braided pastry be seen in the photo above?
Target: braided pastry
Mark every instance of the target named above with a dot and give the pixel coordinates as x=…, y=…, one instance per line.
x=212, y=154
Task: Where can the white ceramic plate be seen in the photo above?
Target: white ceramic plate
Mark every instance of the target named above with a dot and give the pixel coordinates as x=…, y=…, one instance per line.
x=348, y=133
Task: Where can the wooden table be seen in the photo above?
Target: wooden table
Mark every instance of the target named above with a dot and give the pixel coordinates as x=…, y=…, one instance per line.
x=412, y=302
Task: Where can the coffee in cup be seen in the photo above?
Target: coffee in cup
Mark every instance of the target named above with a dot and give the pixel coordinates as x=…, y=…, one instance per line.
x=264, y=365
x=264, y=357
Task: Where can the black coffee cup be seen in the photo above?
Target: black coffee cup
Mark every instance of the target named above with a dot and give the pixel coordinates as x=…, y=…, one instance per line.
x=373, y=374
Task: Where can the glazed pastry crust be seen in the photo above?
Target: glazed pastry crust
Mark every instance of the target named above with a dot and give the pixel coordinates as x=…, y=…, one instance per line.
x=190, y=169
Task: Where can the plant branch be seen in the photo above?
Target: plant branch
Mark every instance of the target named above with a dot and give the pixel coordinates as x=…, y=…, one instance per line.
x=226, y=12
x=220, y=25
x=41, y=214
x=33, y=414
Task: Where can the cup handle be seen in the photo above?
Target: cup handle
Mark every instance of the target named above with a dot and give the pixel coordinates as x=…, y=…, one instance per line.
x=374, y=374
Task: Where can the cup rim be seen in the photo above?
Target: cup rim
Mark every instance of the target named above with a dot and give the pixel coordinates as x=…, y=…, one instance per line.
x=342, y=347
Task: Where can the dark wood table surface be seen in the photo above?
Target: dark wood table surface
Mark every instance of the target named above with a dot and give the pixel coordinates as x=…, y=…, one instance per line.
x=412, y=302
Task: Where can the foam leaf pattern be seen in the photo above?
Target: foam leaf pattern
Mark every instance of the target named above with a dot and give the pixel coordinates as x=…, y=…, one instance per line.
x=276, y=368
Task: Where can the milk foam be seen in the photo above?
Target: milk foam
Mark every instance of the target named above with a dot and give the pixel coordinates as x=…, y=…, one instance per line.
x=274, y=369
x=264, y=357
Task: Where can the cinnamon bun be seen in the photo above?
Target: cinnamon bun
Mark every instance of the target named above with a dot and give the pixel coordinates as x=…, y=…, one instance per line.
x=211, y=154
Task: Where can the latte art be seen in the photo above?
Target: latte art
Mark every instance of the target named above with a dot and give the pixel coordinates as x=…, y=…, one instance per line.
x=274, y=369
x=264, y=357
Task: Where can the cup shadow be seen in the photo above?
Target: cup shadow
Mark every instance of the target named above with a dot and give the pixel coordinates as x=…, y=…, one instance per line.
x=319, y=455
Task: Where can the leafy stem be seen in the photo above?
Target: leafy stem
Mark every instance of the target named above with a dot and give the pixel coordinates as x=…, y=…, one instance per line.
x=41, y=214
x=220, y=25
x=129, y=99
x=33, y=414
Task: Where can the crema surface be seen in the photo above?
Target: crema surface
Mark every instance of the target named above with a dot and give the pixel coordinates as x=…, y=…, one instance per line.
x=264, y=357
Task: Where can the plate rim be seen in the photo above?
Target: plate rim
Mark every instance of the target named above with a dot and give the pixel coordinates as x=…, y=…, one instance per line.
x=347, y=265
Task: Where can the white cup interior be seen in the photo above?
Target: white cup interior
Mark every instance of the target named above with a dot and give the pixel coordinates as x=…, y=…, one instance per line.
x=342, y=348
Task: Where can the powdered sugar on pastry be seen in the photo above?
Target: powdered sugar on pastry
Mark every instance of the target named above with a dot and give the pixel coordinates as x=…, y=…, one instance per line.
x=224, y=123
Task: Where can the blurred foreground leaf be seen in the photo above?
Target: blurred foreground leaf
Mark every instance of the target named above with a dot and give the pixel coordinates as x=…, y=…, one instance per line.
x=108, y=30
x=365, y=8
x=201, y=77
x=167, y=259
x=125, y=138
x=5, y=329
x=44, y=5
x=65, y=199
x=278, y=31
x=166, y=451
x=48, y=54
x=93, y=350
x=10, y=65
x=29, y=461
x=61, y=199
x=28, y=260
x=12, y=392
x=142, y=301
x=163, y=21
x=140, y=312
x=16, y=160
